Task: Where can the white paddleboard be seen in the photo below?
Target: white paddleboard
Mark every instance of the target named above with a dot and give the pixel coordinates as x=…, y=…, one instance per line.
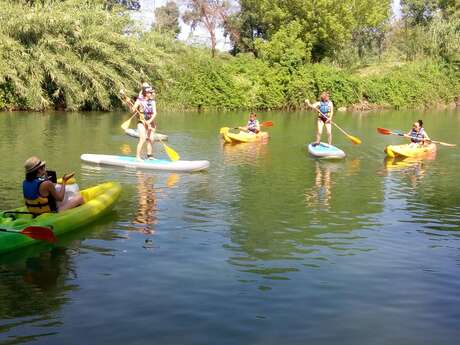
x=154, y=164
x=135, y=134
x=326, y=151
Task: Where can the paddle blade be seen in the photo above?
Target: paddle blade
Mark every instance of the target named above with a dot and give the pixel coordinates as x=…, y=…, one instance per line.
x=125, y=125
x=354, y=140
x=40, y=233
x=384, y=131
x=173, y=155
x=266, y=124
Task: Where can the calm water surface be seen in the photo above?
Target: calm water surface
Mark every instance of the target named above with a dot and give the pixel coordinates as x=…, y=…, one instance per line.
x=268, y=247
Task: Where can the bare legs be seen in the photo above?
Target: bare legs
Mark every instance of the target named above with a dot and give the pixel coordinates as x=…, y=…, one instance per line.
x=321, y=125
x=142, y=139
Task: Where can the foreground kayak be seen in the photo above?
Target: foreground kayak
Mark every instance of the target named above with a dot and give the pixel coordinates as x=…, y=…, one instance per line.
x=154, y=164
x=98, y=201
x=135, y=134
x=241, y=137
x=325, y=151
x=409, y=150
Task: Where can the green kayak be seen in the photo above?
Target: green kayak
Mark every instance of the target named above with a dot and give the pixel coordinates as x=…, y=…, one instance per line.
x=98, y=201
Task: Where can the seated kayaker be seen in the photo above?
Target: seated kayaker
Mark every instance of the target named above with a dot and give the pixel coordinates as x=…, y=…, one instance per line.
x=39, y=192
x=252, y=126
x=326, y=110
x=417, y=134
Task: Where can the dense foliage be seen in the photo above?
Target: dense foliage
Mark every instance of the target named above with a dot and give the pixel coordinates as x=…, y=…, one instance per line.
x=75, y=54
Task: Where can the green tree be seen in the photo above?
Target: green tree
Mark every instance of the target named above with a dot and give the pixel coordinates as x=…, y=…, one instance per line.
x=327, y=25
x=285, y=48
x=167, y=19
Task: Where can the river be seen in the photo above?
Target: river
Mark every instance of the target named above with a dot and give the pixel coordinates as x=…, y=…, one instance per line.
x=269, y=246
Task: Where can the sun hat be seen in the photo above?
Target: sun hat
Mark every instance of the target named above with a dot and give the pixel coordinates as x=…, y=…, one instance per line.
x=33, y=163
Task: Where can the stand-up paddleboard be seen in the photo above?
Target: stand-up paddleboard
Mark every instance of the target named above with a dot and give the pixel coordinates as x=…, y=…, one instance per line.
x=135, y=134
x=154, y=164
x=325, y=151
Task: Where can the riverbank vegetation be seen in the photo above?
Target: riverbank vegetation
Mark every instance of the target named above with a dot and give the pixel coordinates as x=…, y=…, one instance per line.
x=76, y=55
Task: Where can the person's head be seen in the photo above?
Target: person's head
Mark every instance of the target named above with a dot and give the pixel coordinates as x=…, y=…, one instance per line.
x=324, y=96
x=417, y=125
x=252, y=116
x=34, y=167
x=148, y=92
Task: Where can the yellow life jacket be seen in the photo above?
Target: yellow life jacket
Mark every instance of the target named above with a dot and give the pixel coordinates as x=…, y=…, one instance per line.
x=36, y=203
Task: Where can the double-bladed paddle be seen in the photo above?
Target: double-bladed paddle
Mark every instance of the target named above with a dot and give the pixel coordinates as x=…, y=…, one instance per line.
x=40, y=233
x=385, y=131
x=353, y=139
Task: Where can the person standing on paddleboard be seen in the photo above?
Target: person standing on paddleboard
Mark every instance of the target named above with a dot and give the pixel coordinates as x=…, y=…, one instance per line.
x=40, y=194
x=326, y=108
x=146, y=107
x=417, y=134
x=253, y=125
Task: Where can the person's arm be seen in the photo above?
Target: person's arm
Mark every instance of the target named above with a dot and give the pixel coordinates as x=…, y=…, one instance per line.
x=426, y=137
x=135, y=107
x=257, y=126
x=47, y=188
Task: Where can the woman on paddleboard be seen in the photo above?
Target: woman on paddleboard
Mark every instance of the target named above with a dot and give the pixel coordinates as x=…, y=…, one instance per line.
x=40, y=194
x=146, y=107
x=417, y=134
x=326, y=108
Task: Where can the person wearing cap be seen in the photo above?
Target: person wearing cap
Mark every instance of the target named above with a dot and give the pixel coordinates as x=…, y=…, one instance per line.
x=39, y=192
x=147, y=110
x=141, y=93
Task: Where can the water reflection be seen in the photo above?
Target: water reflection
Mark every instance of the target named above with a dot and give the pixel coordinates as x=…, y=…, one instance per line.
x=235, y=154
x=147, y=203
x=32, y=291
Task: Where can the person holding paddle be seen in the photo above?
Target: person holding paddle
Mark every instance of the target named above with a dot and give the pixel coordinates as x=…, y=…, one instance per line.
x=325, y=110
x=39, y=191
x=253, y=125
x=417, y=134
x=147, y=110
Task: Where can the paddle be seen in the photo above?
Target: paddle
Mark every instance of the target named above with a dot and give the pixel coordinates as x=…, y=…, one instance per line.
x=173, y=155
x=40, y=233
x=125, y=125
x=262, y=124
x=353, y=139
x=385, y=131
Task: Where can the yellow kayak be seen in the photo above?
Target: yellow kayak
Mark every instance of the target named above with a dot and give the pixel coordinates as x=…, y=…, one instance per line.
x=241, y=137
x=409, y=150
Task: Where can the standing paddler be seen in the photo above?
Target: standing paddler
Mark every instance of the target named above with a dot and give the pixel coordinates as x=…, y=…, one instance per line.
x=146, y=107
x=326, y=111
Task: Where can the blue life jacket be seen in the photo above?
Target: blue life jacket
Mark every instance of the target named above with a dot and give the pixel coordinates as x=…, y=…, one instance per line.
x=324, y=108
x=417, y=137
x=36, y=203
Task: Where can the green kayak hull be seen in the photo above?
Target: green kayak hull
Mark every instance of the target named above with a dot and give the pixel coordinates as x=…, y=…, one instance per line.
x=98, y=201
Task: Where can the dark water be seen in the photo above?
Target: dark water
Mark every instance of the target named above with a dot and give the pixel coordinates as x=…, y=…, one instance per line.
x=268, y=247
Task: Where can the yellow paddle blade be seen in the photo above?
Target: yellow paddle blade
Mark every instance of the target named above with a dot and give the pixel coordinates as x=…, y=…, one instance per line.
x=354, y=140
x=173, y=155
x=125, y=125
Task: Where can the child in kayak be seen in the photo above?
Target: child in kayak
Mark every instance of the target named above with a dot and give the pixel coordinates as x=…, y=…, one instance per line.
x=252, y=126
x=147, y=109
x=417, y=134
x=39, y=191
x=326, y=108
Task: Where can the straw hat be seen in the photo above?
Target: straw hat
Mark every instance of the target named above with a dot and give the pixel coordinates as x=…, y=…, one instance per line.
x=33, y=163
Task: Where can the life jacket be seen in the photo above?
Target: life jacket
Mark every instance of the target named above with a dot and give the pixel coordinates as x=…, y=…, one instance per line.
x=36, y=203
x=417, y=137
x=252, y=126
x=324, y=107
x=147, y=106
